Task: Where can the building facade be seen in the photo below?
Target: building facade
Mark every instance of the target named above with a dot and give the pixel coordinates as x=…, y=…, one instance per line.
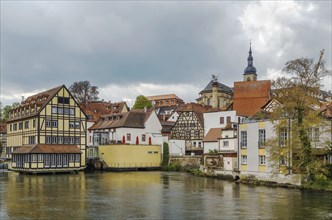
x=46, y=129
x=165, y=100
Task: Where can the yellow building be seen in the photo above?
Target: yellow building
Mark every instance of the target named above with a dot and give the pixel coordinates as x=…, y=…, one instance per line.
x=47, y=133
x=130, y=156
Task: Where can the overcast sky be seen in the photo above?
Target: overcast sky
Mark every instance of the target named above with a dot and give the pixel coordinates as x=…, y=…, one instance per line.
x=151, y=48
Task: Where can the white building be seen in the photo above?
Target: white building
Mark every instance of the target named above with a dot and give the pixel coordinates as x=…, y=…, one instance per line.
x=133, y=127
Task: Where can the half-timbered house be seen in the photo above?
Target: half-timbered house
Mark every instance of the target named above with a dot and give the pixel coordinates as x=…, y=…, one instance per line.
x=47, y=133
x=188, y=131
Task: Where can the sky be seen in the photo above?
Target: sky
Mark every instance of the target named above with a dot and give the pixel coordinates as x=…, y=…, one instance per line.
x=129, y=48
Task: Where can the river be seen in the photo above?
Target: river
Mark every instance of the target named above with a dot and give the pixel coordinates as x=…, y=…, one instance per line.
x=151, y=195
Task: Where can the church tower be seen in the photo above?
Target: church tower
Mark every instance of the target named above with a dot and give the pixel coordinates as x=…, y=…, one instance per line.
x=250, y=70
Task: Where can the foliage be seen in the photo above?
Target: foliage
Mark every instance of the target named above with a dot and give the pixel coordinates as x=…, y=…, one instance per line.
x=321, y=182
x=213, y=152
x=5, y=111
x=197, y=172
x=174, y=166
x=83, y=91
x=297, y=116
x=165, y=154
x=142, y=102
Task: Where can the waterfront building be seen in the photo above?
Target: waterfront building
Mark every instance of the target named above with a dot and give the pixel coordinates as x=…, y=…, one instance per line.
x=138, y=126
x=3, y=139
x=188, y=131
x=130, y=157
x=94, y=110
x=47, y=133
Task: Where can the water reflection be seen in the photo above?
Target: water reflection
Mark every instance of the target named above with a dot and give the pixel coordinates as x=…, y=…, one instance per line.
x=153, y=195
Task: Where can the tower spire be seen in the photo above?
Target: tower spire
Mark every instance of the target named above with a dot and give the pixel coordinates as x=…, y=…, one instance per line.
x=250, y=70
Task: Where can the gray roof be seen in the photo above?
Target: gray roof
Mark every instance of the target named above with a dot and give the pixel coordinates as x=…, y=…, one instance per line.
x=221, y=88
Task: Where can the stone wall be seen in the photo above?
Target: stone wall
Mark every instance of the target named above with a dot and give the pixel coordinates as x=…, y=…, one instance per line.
x=186, y=162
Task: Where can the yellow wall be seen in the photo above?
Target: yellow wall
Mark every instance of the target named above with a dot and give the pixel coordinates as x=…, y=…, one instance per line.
x=261, y=168
x=130, y=155
x=243, y=167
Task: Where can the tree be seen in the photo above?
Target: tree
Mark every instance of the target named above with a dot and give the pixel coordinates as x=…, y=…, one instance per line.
x=83, y=91
x=5, y=111
x=297, y=115
x=142, y=102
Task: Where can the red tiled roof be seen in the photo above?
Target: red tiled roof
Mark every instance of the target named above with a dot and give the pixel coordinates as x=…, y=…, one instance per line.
x=40, y=100
x=47, y=149
x=96, y=109
x=161, y=97
x=250, y=96
x=212, y=135
x=135, y=118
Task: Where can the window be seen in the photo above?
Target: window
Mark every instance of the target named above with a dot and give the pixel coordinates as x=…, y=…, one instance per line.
x=228, y=119
x=15, y=127
x=65, y=160
x=33, y=157
x=71, y=140
x=40, y=158
x=74, y=124
x=195, y=144
x=77, y=140
x=244, y=159
x=51, y=123
x=222, y=120
x=63, y=100
x=48, y=139
x=225, y=143
x=54, y=139
x=243, y=139
x=11, y=127
x=72, y=111
x=261, y=137
x=31, y=140
x=128, y=137
x=60, y=140
x=47, y=160
x=54, y=110
x=143, y=137
x=26, y=124
x=59, y=163
x=315, y=136
x=283, y=136
x=261, y=159
x=77, y=158
x=199, y=144
x=66, y=140
x=20, y=126
x=283, y=161
x=149, y=152
x=53, y=160
x=34, y=123
x=71, y=158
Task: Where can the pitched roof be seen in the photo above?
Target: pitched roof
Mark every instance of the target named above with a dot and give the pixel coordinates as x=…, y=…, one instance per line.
x=221, y=88
x=198, y=109
x=167, y=126
x=135, y=118
x=161, y=97
x=98, y=108
x=326, y=110
x=41, y=99
x=212, y=135
x=47, y=149
x=250, y=96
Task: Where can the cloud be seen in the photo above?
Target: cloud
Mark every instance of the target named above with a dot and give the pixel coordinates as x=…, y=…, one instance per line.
x=46, y=44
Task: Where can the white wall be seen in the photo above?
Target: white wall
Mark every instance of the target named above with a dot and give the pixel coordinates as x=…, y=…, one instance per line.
x=174, y=117
x=230, y=163
x=210, y=146
x=212, y=119
x=176, y=147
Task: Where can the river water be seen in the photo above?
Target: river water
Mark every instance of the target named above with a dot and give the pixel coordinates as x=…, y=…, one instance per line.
x=151, y=195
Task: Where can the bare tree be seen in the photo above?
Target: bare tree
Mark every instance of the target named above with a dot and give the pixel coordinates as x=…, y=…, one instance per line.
x=83, y=91
x=297, y=115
